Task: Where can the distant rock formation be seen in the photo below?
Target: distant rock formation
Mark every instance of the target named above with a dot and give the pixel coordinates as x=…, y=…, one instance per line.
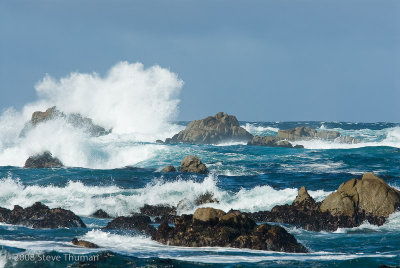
x=356, y=201
x=209, y=227
x=307, y=133
x=271, y=142
x=193, y=164
x=83, y=243
x=40, y=216
x=74, y=119
x=44, y=160
x=212, y=130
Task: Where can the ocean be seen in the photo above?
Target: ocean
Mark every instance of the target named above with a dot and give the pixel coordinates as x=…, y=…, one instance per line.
x=119, y=174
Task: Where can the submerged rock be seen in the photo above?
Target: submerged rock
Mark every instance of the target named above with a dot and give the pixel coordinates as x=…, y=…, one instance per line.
x=134, y=222
x=169, y=169
x=83, y=243
x=193, y=164
x=212, y=130
x=212, y=227
x=307, y=133
x=74, y=119
x=40, y=216
x=101, y=214
x=356, y=201
x=44, y=160
x=271, y=142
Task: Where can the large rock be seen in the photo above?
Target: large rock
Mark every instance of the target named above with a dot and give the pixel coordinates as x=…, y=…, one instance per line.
x=212, y=130
x=74, y=119
x=271, y=142
x=44, y=160
x=212, y=227
x=40, y=216
x=135, y=222
x=356, y=201
x=370, y=194
x=307, y=133
x=193, y=164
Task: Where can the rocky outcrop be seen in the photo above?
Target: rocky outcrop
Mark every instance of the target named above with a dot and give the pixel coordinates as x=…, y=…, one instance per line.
x=205, y=198
x=157, y=210
x=74, y=119
x=40, y=216
x=356, y=201
x=271, y=142
x=135, y=222
x=307, y=133
x=169, y=169
x=193, y=164
x=215, y=228
x=101, y=214
x=44, y=160
x=370, y=194
x=83, y=243
x=212, y=130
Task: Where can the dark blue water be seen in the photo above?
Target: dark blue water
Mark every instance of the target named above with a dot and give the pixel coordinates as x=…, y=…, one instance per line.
x=248, y=178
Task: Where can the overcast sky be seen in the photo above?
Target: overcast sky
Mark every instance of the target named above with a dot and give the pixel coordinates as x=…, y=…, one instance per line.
x=260, y=60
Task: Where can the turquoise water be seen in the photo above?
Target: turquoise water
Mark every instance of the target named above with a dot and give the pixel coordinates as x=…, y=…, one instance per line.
x=120, y=174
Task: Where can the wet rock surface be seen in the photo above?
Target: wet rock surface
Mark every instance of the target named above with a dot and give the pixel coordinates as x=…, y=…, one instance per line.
x=40, y=216
x=333, y=212
x=135, y=222
x=101, y=214
x=83, y=243
x=169, y=169
x=212, y=130
x=44, y=160
x=74, y=119
x=307, y=133
x=271, y=142
x=193, y=164
x=212, y=227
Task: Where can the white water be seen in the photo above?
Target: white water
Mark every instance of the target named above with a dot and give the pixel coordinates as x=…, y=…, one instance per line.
x=136, y=103
x=144, y=247
x=84, y=200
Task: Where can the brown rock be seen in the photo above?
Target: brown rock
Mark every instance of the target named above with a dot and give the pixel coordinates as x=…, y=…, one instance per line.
x=83, y=243
x=208, y=214
x=212, y=130
x=169, y=169
x=370, y=194
x=193, y=164
x=44, y=160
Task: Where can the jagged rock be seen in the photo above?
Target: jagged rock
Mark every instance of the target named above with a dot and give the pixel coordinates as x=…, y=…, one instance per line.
x=44, y=160
x=205, y=198
x=134, y=222
x=370, y=194
x=193, y=164
x=169, y=169
x=157, y=210
x=271, y=142
x=307, y=133
x=101, y=214
x=74, y=119
x=40, y=216
x=212, y=130
x=355, y=202
x=211, y=227
x=83, y=243
x=159, y=141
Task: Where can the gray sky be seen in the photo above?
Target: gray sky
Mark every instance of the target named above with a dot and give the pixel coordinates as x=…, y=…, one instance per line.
x=260, y=60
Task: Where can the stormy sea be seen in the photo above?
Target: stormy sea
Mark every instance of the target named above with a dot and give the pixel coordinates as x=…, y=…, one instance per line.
x=120, y=171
